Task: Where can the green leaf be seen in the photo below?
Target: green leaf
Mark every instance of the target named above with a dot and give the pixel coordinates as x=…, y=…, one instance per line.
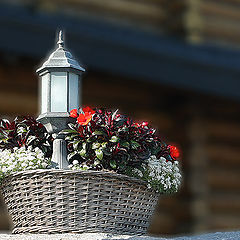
x=106, y=152
x=104, y=145
x=68, y=131
x=120, y=123
x=124, y=129
x=156, y=150
x=122, y=165
x=134, y=144
x=71, y=137
x=96, y=162
x=21, y=130
x=2, y=137
x=83, y=152
x=84, y=145
x=30, y=139
x=99, y=154
x=76, y=144
x=71, y=155
x=113, y=164
x=72, y=126
x=114, y=139
x=125, y=144
x=96, y=145
x=91, y=139
x=99, y=132
x=44, y=149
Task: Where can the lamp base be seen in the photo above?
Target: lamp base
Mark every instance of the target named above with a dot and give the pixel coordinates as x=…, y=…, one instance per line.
x=59, y=157
x=55, y=122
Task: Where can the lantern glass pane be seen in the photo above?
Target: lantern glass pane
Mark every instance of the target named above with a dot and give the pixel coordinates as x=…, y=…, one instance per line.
x=44, y=93
x=73, y=91
x=59, y=92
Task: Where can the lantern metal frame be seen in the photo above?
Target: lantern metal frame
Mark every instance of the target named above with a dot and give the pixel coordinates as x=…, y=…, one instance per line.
x=60, y=60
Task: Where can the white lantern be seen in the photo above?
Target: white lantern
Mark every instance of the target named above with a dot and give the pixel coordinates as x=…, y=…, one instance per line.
x=60, y=81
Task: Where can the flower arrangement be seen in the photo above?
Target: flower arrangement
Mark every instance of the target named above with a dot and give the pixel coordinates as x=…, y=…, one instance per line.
x=24, y=145
x=100, y=140
x=20, y=159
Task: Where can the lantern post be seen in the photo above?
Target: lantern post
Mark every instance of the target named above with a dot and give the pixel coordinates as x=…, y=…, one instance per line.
x=60, y=81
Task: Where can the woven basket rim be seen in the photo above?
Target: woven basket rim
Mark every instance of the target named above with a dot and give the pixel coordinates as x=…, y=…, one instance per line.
x=77, y=172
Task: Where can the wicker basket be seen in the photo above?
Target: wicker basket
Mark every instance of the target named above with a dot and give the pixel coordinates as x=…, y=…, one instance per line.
x=65, y=201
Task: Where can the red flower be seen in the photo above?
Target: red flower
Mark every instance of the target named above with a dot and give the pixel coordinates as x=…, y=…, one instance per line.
x=88, y=110
x=84, y=119
x=144, y=124
x=74, y=113
x=136, y=124
x=174, y=152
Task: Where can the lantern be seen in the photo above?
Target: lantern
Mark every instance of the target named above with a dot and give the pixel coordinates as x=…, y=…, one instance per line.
x=60, y=81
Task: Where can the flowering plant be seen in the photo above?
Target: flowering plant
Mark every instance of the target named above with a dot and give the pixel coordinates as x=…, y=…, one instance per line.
x=20, y=159
x=101, y=139
x=25, y=131
x=24, y=145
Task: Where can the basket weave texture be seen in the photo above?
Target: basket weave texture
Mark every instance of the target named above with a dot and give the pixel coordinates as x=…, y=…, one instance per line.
x=65, y=201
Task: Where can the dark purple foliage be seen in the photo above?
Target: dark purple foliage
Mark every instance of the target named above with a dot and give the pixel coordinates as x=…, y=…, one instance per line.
x=25, y=131
x=116, y=141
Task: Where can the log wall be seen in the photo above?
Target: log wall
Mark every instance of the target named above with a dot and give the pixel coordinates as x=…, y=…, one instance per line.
x=161, y=16
x=213, y=22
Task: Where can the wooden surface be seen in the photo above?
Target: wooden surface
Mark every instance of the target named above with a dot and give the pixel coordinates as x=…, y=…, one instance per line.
x=153, y=15
x=199, y=21
x=213, y=22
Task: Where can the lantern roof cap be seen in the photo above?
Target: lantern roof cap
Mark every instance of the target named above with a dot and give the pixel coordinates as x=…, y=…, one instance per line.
x=60, y=58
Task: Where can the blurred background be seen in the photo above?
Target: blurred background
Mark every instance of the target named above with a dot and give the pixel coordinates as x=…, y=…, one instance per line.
x=174, y=63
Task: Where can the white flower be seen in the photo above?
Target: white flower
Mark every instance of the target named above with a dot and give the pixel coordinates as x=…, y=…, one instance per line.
x=21, y=159
x=166, y=173
x=24, y=164
x=44, y=164
x=75, y=162
x=138, y=172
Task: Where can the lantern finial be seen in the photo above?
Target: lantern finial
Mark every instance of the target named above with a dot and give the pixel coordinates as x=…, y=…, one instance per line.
x=60, y=39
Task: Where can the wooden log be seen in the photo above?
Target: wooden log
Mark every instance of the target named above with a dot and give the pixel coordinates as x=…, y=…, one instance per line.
x=162, y=223
x=212, y=22
x=218, y=10
x=223, y=180
x=193, y=22
x=224, y=156
x=235, y=3
x=223, y=129
x=15, y=103
x=220, y=110
x=223, y=222
x=198, y=168
x=124, y=8
x=227, y=203
x=220, y=23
